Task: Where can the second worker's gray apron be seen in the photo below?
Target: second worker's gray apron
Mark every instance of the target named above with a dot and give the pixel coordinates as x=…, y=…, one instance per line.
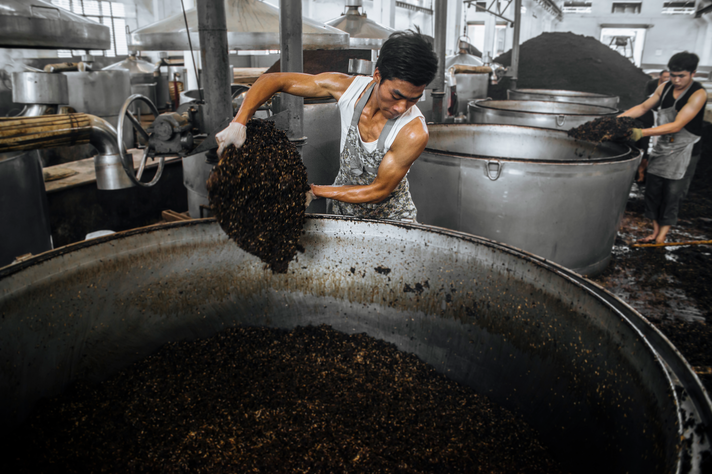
x=672, y=152
x=359, y=167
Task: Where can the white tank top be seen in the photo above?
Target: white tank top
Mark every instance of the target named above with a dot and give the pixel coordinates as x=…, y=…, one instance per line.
x=347, y=102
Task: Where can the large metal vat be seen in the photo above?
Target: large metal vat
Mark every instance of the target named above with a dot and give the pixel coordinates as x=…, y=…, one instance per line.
x=535, y=113
x=532, y=188
x=143, y=79
x=563, y=96
x=468, y=86
x=23, y=206
x=605, y=389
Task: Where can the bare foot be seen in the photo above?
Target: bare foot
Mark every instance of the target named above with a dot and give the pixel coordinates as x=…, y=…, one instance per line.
x=647, y=240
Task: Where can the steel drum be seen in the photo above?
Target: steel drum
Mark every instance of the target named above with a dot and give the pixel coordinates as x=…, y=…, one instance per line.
x=535, y=113
x=604, y=388
x=532, y=188
x=563, y=96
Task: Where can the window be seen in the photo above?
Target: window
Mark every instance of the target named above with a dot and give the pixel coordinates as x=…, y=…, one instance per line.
x=626, y=7
x=115, y=15
x=576, y=7
x=679, y=8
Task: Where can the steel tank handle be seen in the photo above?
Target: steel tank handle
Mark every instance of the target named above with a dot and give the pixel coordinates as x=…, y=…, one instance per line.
x=560, y=120
x=497, y=170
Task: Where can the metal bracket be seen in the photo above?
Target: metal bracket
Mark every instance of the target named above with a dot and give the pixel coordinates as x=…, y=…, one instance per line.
x=498, y=170
x=560, y=120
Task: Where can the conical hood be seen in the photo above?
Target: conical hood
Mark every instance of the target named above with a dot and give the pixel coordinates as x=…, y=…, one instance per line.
x=134, y=65
x=363, y=33
x=40, y=25
x=251, y=24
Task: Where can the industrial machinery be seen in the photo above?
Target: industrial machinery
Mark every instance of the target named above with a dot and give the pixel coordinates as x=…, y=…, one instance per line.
x=532, y=188
x=535, y=113
x=604, y=388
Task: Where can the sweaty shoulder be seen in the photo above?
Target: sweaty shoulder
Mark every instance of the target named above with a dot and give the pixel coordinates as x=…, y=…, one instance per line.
x=335, y=83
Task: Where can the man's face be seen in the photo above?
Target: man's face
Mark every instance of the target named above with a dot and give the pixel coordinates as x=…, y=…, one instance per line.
x=664, y=77
x=396, y=96
x=681, y=79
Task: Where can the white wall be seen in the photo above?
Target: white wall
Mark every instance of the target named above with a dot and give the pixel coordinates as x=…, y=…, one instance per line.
x=667, y=35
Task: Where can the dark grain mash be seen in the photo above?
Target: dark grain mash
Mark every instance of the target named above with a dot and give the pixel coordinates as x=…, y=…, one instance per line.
x=258, y=195
x=254, y=399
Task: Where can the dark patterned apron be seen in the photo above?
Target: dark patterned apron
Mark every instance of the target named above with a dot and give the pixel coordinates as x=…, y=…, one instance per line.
x=359, y=167
x=672, y=152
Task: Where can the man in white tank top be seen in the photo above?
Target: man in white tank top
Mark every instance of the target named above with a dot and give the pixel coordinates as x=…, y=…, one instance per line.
x=380, y=142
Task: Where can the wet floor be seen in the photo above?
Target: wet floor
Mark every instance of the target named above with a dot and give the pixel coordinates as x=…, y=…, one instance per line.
x=670, y=285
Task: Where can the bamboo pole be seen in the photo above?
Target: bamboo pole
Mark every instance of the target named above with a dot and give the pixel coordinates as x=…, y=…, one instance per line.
x=674, y=244
x=45, y=131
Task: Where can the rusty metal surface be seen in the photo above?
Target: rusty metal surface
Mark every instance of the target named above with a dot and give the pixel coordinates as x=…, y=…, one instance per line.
x=601, y=385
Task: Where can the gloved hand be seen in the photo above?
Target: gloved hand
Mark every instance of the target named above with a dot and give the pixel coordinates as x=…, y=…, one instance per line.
x=310, y=197
x=233, y=134
x=635, y=134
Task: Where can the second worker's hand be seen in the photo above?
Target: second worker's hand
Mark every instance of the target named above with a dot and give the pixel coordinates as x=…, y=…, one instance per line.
x=635, y=134
x=233, y=134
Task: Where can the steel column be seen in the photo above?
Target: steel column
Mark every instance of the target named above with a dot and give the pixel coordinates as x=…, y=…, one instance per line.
x=438, y=84
x=515, y=43
x=291, y=60
x=215, y=79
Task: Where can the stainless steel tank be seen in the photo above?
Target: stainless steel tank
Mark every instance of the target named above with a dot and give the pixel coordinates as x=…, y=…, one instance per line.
x=143, y=79
x=535, y=113
x=468, y=86
x=563, y=96
x=363, y=32
x=23, y=206
x=606, y=391
x=102, y=93
x=535, y=189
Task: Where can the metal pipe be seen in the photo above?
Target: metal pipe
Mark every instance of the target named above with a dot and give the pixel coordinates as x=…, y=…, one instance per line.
x=515, y=43
x=34, y=110
x=216, y=77
x=291, y=60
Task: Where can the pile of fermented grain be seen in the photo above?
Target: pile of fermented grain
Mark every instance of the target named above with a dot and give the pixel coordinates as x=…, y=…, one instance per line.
x=605, y=129
x=267, y=400
x=258, y=194
x=577, y=63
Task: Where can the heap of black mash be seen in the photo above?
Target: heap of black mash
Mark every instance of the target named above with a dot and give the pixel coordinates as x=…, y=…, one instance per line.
x=258, y=192
x=605, y=129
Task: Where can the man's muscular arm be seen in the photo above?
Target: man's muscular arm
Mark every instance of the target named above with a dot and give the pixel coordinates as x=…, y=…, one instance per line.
x=684, y=116
x=641, y=109
x=328, y=84
x=406, y=148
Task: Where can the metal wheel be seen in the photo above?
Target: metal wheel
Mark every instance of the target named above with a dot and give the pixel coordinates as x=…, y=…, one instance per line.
x=128, y=165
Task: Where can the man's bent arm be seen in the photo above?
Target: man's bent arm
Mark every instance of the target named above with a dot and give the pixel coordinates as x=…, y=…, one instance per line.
x=406, y=148
x=641, y=109
x=684, y=116
x=328, y=84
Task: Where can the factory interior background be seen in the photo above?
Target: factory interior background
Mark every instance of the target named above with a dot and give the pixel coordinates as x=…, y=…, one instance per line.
x=110, y=252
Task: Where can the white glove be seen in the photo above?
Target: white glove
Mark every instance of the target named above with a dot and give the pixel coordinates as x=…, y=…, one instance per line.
x=310, y=198
x=233, y=134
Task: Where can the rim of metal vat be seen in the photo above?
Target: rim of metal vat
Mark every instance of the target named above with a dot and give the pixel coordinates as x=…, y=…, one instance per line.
x=538, y=107
x=629, y=152
x=562, y=95
x=692, y=398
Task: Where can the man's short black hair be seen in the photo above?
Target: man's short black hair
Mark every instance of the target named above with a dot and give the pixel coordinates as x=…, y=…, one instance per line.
x=407, y=56
x=683, y=62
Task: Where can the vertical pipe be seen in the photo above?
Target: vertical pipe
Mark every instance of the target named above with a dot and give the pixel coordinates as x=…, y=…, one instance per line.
x=291, y=60
x=215, y=78
x=438, y=84
x=515, y=43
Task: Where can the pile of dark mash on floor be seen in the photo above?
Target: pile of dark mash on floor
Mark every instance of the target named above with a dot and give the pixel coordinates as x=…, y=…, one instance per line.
x=256, y=399
x=258, y=194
